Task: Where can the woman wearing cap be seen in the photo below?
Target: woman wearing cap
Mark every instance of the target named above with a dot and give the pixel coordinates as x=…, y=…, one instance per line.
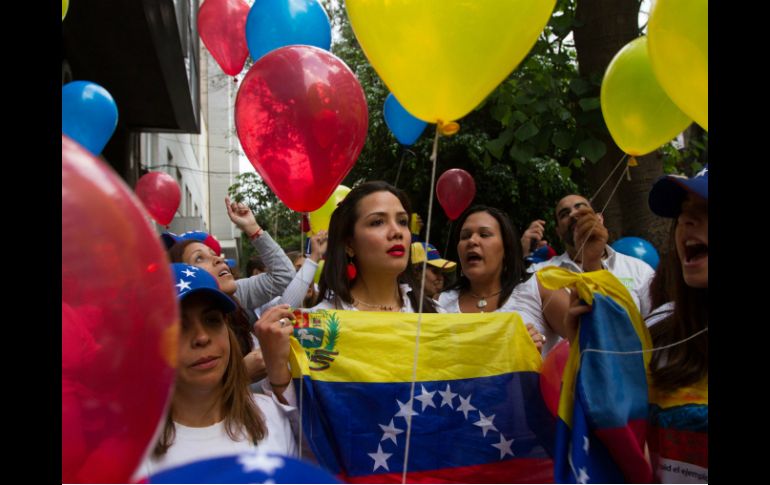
x=368, y=253
x=212, y=411
x=436, y=267
x=255, y=291
x=679, y=370
x=492, y=276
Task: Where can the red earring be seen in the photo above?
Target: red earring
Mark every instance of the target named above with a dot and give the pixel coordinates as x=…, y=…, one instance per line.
x=352, y=271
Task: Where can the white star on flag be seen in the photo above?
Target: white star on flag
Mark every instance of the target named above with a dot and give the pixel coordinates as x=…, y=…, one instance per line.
x=447, y=396
x=585, y=444
x=504, y=446
x=260, y=461
x=405, y=410
x=465, y=405
x=183, y=285
x=390, y=432
x=583, y=476
x=485, y=423
x=380, y=459
x=426, y=398
x=189, y=273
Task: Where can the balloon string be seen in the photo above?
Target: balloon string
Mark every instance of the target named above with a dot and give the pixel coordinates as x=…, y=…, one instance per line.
x=446, y=248
x=634, y=352
x=433, y=158
x=400, y=164
x=591, y=199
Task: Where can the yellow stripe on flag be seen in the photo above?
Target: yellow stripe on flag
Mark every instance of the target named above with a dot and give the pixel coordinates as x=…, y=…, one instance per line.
x=352, y=346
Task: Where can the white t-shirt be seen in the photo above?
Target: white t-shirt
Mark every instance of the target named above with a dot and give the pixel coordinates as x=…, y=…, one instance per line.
x=194, y=444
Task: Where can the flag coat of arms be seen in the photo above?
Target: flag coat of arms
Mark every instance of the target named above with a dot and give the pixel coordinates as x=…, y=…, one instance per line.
x=476, y=412
x=603, y=408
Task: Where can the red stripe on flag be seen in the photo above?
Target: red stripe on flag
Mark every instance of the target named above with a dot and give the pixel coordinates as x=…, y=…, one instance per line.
x=626, y=445
x=687, y=446
x=517, y=470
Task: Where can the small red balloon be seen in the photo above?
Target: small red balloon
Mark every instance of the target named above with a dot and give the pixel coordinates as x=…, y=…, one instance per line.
x=455, y=190
x=222, y=27
x=551, y=374
x=301, y=117
x=160, y=195
x=120, y=324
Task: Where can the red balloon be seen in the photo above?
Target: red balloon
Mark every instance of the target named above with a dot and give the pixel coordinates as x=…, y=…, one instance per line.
x=222, y=27
x=160, y=195
x=455, y=190
x=301, y=117
x=119, y=324
x=551, y=374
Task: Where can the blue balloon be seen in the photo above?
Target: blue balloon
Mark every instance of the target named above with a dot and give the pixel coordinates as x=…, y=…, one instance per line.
x=405, y=127
x=637, y=248
x=277, y=23
x=251, y=467
x=88, y=114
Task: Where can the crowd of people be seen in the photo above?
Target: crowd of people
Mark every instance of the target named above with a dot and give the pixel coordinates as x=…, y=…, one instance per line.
x=235, y=332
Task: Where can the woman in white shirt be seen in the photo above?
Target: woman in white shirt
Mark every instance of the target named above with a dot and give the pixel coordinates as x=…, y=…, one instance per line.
x=492, y=276
x=368, y=253
x=212, y=412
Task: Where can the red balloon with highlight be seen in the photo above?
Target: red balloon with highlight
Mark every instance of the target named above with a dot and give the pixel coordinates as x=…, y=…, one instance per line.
x=120, y=324
x=455, y=190
x=222, y=27
x=301, y=117
x=160, y=195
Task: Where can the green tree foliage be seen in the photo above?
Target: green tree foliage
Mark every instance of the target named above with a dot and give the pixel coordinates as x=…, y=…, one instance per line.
x=271, y=214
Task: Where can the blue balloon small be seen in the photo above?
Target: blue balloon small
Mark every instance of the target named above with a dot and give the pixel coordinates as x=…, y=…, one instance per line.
x=88, y=114
x=277, y=23
x=638, y=248
x=405, y=127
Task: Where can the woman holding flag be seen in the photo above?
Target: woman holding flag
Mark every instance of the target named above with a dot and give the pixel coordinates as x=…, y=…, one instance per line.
x=492, y=276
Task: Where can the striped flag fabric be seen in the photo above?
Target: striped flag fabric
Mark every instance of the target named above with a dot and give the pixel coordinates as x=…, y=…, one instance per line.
x=477, y=415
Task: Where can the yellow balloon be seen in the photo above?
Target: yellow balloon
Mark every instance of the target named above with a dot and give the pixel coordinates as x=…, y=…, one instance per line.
x=319, y=218
x=318, y=271
x=679, y=47
x=441, y=58
x=65, y=5
x=638, y=113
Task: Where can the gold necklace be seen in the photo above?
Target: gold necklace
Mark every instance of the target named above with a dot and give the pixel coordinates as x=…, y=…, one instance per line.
x=483, y=299
x=384, y=308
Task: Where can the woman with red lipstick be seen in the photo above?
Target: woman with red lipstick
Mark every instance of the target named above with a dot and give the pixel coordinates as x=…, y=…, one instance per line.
x=368, y=253
x=679, y=374
x=212, y=411
x=492, y=275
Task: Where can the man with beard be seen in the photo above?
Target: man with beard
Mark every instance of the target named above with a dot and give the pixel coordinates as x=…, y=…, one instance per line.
x=633, y=273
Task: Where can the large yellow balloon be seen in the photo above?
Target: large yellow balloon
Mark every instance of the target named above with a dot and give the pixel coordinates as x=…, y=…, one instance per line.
x=441, y=58
x=679, y=47
x=65, y=5
x=319, y=218
x=638, y=113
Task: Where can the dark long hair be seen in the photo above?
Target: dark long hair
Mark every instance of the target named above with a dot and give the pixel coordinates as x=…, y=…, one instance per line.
x=238, y=320
x=241, y=414
x=514, y=271
x=334, y=284
x=686, y=363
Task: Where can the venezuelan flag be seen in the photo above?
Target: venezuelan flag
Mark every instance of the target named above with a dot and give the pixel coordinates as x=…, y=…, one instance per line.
x=678, y=435
x=603, y=408
x=477, y=415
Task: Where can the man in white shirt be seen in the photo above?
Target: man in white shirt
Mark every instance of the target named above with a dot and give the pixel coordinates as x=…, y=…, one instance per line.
x=633, y=273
